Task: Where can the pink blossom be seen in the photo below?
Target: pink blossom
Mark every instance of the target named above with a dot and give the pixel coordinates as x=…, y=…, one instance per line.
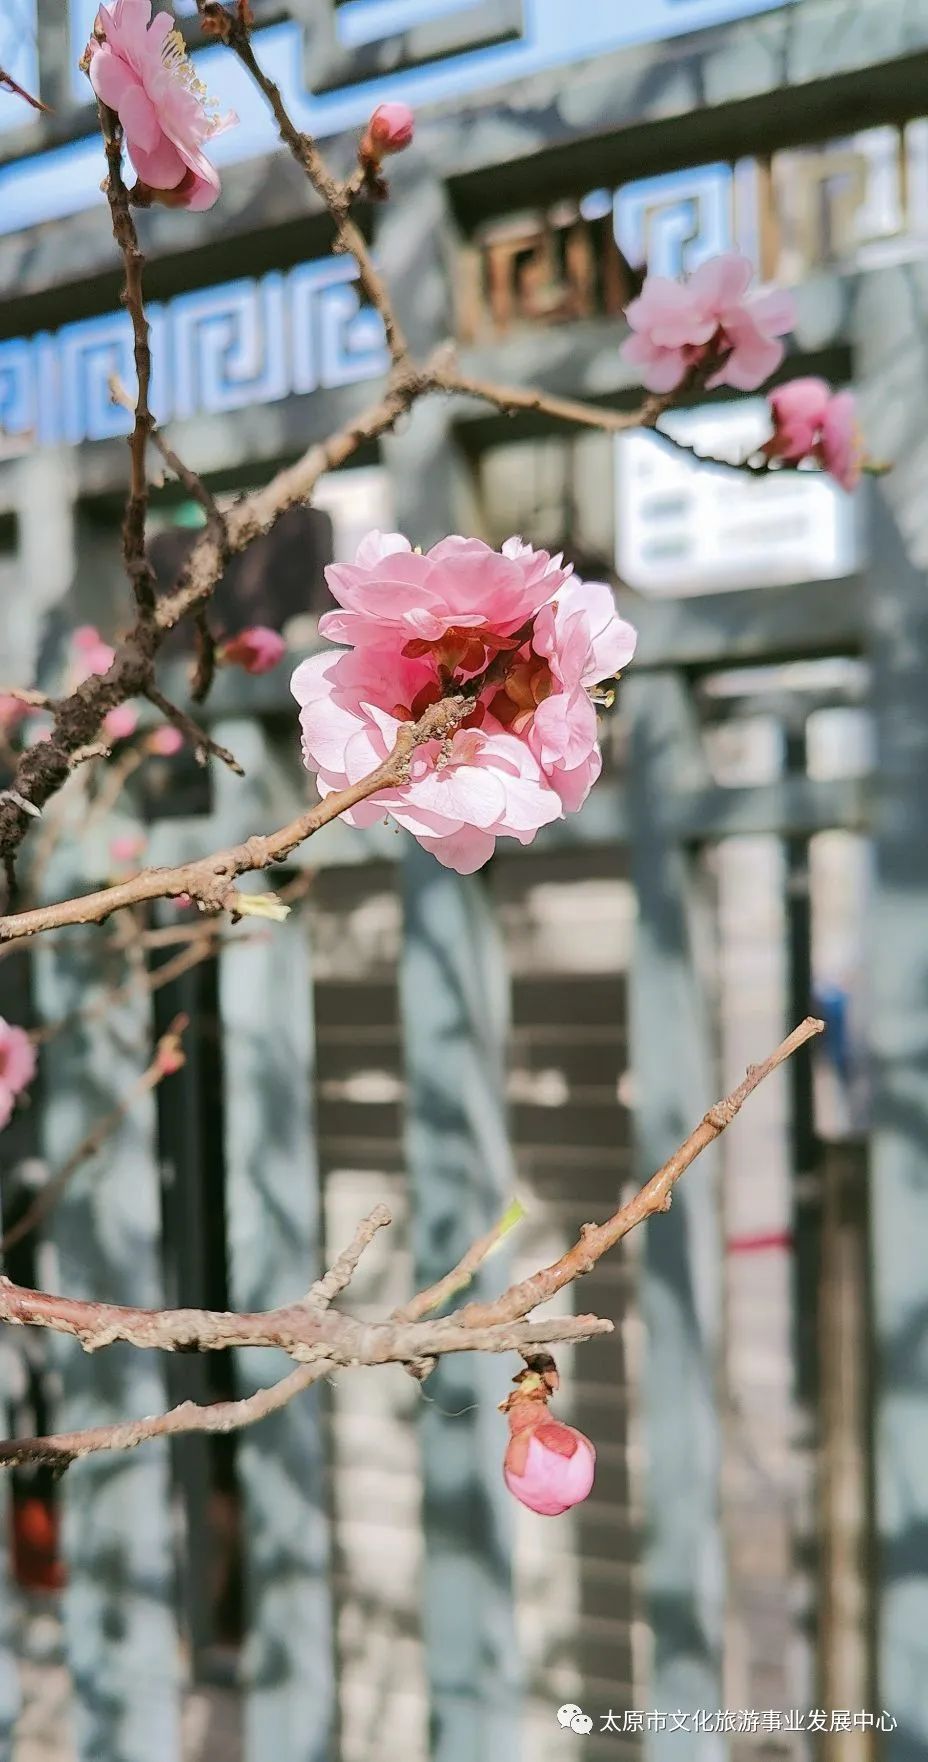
x=548, y=1466
x=462, y=794
x=813, y=422
x=456, y=599
x=126, y=848
x=120, y=722
x=798, y=411
x=841, y=445
x=143, y=72
x=257, y=649
x=17, y=1066
x=583, y=642
x=390, y=130
x=527, y=752
x=89, y=654
x=710, y=318
x=165, y=741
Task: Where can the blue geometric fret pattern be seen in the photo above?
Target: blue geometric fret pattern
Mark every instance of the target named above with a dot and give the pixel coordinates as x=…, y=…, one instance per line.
x=215, y=350
x=66, y=179
x=676, y=221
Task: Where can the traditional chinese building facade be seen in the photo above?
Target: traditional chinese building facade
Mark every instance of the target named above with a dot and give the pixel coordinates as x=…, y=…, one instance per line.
x=358, y=1558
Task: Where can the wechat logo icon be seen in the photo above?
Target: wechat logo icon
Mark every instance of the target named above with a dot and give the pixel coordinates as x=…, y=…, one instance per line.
x=573, y=1718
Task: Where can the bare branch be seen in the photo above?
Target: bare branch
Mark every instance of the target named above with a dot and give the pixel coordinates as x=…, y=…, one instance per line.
x=210, y=879
x=138, y=568
x=221, y=1416
x=8, y=84
x=328, y=1340
x=160, y=1067
x=204, y=746
x=233, y=30
x=446, y=377
x=597, y=1239
x=303, y=1329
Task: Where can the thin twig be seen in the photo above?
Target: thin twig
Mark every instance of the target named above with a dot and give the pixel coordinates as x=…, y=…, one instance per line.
x=233, y=30
x=461, y=1275
x=35, y=700
x=204, y=746
x=11, y=85
x=342, y=1271
x=210, y=879
x=138, y=567
x=329, y=1340
x=447, y=377
x=48, y=1197
x=190, y=479
x=655, y=1196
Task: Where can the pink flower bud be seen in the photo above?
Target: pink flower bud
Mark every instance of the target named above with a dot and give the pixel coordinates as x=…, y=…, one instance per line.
x=257, y=649
x=170, y=1057
x=798, y=411
x=390, y=130
x=126, y=848
x=119, y=723
x=548, y=1465
x=165, y=741
x=17, y=1066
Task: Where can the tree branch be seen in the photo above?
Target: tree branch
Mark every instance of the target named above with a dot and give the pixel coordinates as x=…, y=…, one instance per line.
x=233, y=29
x=138, y=568
x=204, y=746
x=210, y=879
x=596, y=1239
x=328, y=1340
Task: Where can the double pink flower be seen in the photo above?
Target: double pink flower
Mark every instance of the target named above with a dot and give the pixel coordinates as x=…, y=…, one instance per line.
x=423, y=624
x=142, y=71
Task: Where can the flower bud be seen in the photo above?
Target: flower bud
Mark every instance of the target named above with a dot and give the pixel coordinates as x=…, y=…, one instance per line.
x=261, y=905
x=165, y=741
x=126, y=848
x=548, y=1466
x=257, y=649
x=390, y=130
x=120, y=722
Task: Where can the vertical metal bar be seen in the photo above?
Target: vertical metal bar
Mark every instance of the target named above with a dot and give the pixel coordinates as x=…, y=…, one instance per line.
x=273, y=1219
x=807, y=1256
x=119, y=1605
x=672, y=1062
x=454, y=999
x=191, y=1376
x=899, y=1043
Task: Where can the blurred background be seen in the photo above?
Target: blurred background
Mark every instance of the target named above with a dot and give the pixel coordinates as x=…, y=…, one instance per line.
x=350, y=1582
